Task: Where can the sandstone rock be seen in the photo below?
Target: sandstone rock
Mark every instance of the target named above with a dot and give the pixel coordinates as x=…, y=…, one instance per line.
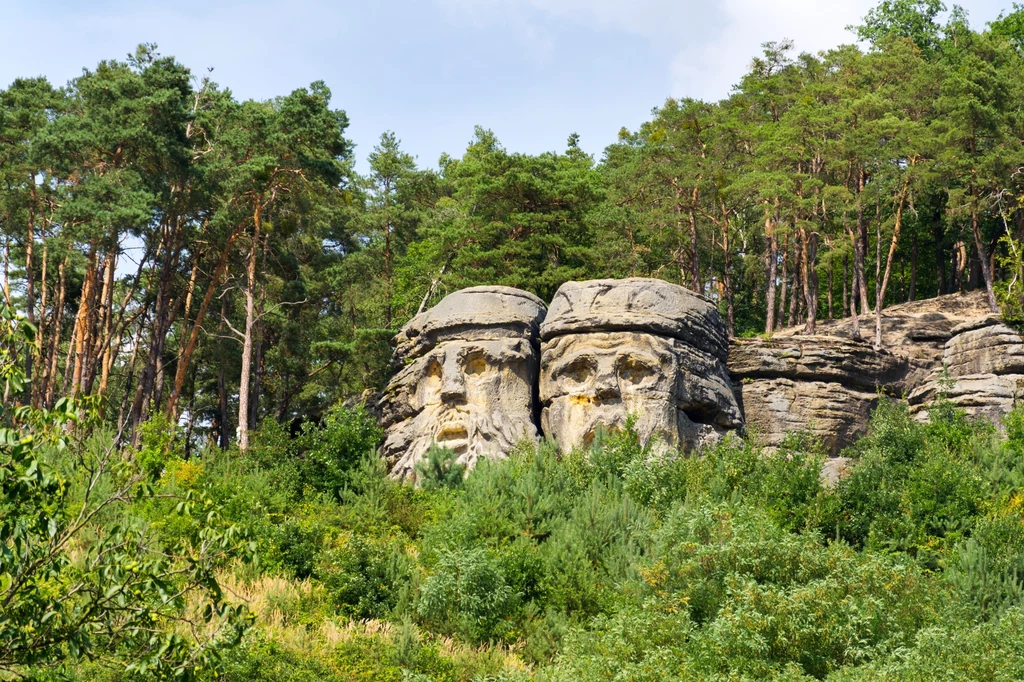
x=833, y=413
x=990, y=349
x=487, y=312
x=834, y=470
x=612, y=348
x=639, y=305
x=816, y=358
x=980, y=395
x=825, y=384
x=467, y=379
x=976, y=323
x=917, y=331
x=984, y=368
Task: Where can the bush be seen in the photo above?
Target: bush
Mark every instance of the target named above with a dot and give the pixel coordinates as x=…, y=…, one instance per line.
x=366, y=577
x=468, y=595
x=440, y=468
x=330, y=452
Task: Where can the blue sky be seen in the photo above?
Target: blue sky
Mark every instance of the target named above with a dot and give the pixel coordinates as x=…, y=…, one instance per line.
x=533, y=71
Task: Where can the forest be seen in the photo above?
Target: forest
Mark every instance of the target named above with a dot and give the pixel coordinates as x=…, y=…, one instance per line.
x=199, y=292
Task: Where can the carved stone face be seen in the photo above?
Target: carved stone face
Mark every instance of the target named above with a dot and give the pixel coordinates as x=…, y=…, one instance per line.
x=473, y=397
x=615, y=348
x=468, y=378
x=595, y=380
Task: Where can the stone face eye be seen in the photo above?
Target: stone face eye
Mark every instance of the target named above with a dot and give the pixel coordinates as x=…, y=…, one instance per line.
x=430, y=382
x=634, y=370
x=475, y=364
x=579, y=371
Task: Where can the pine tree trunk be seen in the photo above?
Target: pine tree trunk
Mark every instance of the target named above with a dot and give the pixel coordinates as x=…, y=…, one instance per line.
x=53, y=352
x=884, y=285
x=38, y=384
x=82, y=323
x=854, y=289
x=809, y=254
x=986, y=269
x=831, y=280
x=247, y=342
x=30, y=288
x=163, y=318
x=861, y=249
x=222, y=386
x=730, y=313
x=794, y=287
x=102, y=340
x=784, y=281
x=695, y=283
x=193, y=337
x=773, y=260
x=846, y=277
x=912, y=293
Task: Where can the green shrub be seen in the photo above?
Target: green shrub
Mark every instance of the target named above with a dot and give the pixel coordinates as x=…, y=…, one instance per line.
x=330, y=452
x=440, y=468
x=365, y=576
x=159, y=444
x=468, y=595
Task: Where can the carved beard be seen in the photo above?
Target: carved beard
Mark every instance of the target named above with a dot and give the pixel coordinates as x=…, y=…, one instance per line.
x=471, y=433
x=655, y=420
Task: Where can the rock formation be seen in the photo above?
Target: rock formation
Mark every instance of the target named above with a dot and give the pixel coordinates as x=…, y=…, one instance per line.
x=466, y=378
x=982, y=371
x=824, y=384
x=611, y=348
x=951, y=345
x=487, y=365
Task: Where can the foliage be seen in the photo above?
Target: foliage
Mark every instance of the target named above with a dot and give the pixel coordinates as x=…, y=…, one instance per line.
x=79, y=583
x=270, y=278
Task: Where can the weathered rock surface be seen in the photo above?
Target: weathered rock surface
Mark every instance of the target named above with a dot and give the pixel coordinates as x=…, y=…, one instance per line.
x=980, y=395
x=917, y=331
x=824, y=384
x=612, y=348
x=816, y=358
x=486, y=312
x=983, y=371
x=467, y=380
x=992, y=349
x=637, y=304
x=833, y=413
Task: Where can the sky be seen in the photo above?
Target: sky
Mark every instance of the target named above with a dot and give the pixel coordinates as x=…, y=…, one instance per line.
x=533, y=71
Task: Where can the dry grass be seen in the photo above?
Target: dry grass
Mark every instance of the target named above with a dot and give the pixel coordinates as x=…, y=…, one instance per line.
x=279, y=604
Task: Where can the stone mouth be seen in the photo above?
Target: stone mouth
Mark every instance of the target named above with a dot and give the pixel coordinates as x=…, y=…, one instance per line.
x=455, y=437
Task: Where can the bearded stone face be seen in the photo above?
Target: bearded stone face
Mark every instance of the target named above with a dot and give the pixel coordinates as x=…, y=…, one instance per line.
x=473, y=397
x=616, y=348
x=593, y=382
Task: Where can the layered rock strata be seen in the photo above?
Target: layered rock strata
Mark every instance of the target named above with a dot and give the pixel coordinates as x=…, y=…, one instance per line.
x=982, y=371
x=822, y=384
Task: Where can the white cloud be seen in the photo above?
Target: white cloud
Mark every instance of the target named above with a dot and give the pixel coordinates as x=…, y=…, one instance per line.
x=707, y=45
x=710, y=68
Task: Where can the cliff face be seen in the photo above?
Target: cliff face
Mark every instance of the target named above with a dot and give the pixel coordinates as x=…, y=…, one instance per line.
x=829, y=383
x=489, y=366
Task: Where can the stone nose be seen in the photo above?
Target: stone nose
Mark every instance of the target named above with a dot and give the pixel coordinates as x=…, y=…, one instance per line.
x=606, y=385
x=453, y=383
